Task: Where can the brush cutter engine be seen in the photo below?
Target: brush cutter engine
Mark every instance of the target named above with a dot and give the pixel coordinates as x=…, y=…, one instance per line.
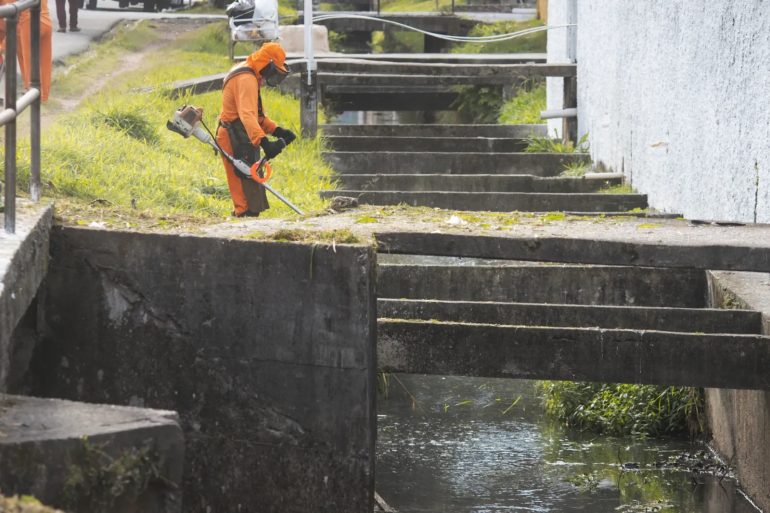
x=187, y=122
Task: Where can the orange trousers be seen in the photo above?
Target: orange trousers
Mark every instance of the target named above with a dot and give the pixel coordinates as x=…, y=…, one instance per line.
x=248, y=197
x=24, y=51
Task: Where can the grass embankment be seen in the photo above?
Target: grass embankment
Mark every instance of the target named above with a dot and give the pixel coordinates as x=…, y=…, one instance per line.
x=113, y=156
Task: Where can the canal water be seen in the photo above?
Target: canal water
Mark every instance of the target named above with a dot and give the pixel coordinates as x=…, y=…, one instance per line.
x=461, y=445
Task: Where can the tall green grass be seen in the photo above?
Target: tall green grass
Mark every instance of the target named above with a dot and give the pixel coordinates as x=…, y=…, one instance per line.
x=115, y=149
x=524, y=108
x=641, y=410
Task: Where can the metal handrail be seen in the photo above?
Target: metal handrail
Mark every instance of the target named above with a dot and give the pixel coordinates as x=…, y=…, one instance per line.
x=13, y=107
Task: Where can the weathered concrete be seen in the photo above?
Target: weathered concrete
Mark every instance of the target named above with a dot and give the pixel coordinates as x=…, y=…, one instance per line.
x=670, y=96
x=505, y=73
x=447, y=58
x=502, y=131
x=739, y=420
x=89, y=457
x=473, y=183
x=432, y=22
x=415, y=143
x=538, y=164
x=589, y=285
x=388, y=98
x=500, y=201
x=23, y=265
x=575, y=354
x=266, y=350
x=687, y=320
x=525, y=71
x=589, y=248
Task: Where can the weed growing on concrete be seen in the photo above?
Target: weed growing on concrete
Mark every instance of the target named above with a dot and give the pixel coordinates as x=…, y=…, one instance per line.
x=576, y=169
x=524, y=108
x=97, y=481
x=617, y=189
x=537, y=144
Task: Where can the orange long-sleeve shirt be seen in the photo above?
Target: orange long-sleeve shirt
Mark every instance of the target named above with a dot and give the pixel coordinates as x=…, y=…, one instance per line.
x=240, y=101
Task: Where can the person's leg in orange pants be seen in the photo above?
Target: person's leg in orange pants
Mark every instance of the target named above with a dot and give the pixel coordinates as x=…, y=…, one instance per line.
x=24, y=50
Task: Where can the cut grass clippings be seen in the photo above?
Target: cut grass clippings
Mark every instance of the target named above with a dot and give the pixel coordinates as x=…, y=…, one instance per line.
x=114, y=154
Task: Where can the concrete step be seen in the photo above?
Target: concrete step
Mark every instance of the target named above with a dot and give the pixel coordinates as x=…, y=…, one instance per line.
x=739, y=250
x=475, y=183
x=559, y=284
x=500, y=201
x=687, y=320
x=422, y=144
x=425, y=130
x=575, y=354
x=44, y=439
x=391, y=162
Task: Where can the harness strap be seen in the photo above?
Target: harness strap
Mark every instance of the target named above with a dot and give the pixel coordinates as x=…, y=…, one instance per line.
x=240, y=70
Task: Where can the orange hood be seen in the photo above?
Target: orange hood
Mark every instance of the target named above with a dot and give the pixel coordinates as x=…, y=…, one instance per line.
x=268, y=52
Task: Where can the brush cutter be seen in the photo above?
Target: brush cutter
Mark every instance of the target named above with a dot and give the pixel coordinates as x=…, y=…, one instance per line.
x=188, y=121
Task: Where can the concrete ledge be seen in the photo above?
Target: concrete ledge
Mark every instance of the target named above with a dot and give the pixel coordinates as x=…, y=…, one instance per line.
x=500, y=201
x=61, y=452
x=697, y=254
x=687, y=320
x=576, y=354
x=23, y=265
x=591, y=285
x=474, y=183
x=538, y=164
x=432, y=144
x=421, y=130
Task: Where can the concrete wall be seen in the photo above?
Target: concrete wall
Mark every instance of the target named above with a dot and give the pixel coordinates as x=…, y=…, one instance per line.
x=266, y=350
x=674, y=95
x=739, y=420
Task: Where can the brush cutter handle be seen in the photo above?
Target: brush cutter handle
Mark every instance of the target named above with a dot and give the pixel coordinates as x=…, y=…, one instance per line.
x=259, y=165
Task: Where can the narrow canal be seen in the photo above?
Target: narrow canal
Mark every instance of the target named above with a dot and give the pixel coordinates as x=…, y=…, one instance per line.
x=460, y=445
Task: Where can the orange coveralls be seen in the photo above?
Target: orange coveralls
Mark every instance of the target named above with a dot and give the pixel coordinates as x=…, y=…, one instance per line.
x=24, y=48
x=240, y=100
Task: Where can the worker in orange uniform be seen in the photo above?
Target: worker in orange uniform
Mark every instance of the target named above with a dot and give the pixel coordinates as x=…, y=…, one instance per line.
x=243, y=124
x=24, y=46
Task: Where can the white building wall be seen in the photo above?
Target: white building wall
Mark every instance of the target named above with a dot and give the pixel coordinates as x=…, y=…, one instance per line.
x=676, y=95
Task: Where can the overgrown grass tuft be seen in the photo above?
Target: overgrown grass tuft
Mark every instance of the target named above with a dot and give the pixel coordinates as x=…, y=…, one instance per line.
x=524, y=108
x=640, y=410
x=537, y=144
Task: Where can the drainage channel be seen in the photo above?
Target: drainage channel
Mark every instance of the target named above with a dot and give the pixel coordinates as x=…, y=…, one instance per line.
x=479, y=444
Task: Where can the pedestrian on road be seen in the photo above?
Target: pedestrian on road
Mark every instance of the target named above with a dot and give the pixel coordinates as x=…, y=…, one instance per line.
x=61, y=14
x=24, y=46
x=243, y=125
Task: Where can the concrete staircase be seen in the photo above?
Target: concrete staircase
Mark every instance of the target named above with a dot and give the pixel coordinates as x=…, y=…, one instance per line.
x=532, y=320
x=464, y=167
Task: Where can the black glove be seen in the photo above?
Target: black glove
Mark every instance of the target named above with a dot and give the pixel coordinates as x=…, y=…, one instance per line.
x=286, y=135
x=272, y=148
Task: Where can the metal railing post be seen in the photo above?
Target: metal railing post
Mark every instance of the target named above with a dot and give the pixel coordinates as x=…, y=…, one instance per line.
x=34, y=170
x=10, y=127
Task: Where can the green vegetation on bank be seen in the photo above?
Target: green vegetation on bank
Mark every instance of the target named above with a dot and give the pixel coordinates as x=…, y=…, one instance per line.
x=639, y=410
x=114, y=151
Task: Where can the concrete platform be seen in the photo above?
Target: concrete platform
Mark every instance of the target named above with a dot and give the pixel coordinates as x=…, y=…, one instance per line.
x=500, y=201
x=560, y=284
x=703, y=320
x=736, y=250
x=71, y=455
x=575, y=354
x=422, y=144
x=23, y=265
x=427, y=130
x=396, y=162
x=476, y=183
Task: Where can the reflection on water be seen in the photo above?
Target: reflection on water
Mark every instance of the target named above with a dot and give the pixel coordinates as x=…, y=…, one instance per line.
x=453, y=444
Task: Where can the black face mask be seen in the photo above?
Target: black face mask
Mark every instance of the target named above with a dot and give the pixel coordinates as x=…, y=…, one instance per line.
x=272, y=74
